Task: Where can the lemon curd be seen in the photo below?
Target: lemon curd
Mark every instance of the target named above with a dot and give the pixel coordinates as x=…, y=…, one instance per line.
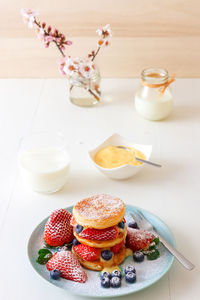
x=112, y=157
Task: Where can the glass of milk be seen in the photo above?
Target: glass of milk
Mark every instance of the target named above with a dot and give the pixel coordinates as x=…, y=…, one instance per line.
x=44, y=161
x=154, y=100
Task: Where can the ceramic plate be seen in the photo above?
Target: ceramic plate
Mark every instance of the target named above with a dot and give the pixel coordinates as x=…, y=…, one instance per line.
x=148, y=272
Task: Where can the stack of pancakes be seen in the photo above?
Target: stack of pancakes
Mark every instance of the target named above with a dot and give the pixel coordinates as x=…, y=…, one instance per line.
x=101, y=212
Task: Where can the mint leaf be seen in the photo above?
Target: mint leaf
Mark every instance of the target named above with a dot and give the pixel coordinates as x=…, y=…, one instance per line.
x=153, y=254
x=152, y=246
x=156, y=240
x=43, y=251
x=44, y=256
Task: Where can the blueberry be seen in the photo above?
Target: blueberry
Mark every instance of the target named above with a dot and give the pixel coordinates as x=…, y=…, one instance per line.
x=106, y=254
x=133, y=224
x=116, y=273
x=105, y=274
x=63, y=248
x=78, y=228
x=130, y=277
x=75, y=242
x=121, y=225
x=115, y=282
x=138, y=256
x=130, y=268
x=55, y=274
x=105, y=282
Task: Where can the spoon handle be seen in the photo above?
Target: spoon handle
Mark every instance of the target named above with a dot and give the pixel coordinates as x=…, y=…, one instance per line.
x=148, y=162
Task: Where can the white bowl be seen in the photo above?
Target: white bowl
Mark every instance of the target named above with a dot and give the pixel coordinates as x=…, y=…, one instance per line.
x=124, y=171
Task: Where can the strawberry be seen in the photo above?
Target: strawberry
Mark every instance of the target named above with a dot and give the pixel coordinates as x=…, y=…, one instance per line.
x=138, y=239
x=115, y=249
x=58, y=230
x=68, y=265
x=100, y=234
x=86, y=252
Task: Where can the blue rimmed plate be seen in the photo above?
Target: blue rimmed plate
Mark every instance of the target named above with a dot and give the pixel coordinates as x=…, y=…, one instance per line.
x=148, y=272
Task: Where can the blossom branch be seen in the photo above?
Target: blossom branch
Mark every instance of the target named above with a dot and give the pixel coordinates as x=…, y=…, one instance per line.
x=81, y=69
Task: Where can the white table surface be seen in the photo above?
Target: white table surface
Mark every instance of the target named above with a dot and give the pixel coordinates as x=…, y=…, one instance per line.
x=172, y=192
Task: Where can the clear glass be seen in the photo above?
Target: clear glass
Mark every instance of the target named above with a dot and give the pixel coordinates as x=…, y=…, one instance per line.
x=44, y=161
x=149, y=102
x=85, y=92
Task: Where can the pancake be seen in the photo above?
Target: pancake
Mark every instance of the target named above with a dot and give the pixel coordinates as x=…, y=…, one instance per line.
x=99, y=265
x=99, y=211
x=103, y=244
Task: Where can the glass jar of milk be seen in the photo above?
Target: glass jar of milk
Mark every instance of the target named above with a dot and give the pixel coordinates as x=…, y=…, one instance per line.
x=154, y=100
x=44, y=161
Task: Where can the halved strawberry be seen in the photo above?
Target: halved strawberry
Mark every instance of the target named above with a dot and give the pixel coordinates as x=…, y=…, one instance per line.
x=68, y=265
x=138, y=239
x=100, y=234
x=115, y=249
x=87, y=253
x=58, y=230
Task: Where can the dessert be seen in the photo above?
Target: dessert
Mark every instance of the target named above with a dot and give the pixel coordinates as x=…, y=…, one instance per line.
x=100, y=228
x=96, y=237
x=113, y=157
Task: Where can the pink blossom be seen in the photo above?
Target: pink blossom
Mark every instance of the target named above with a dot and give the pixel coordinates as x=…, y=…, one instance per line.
x=29, y=16
x=58, y=40
x=61, y=63
x=105, y=31
x=87, y=69
x=49, y=29
x=68, y=43
x=49, y=38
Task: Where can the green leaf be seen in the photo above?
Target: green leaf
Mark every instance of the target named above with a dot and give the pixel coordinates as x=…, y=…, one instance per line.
x=152, y=246
x=43, y=251
x=153, y=254
x=156, y=240
x=44, y=256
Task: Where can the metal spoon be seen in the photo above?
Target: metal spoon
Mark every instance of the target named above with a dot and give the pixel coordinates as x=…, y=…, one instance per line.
x=140, y=159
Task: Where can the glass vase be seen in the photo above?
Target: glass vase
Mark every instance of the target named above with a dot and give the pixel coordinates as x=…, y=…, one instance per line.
x=85, y=92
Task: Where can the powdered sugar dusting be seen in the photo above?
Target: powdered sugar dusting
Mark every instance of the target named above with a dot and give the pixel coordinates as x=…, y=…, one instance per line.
x=99, y=206
x=58, y=229
x=68, y=265
x=147, y=272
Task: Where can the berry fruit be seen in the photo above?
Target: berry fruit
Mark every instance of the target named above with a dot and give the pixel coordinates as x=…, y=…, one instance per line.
x=55, y=274
x=63, y=248
x=68, y=265
x=58, y=230
x=130, y=268
x=115, y=282
x=121, y=224
x=78, y=228
x=105, y=282
x=106, y=234
x=105, y=274
x=75, y=242
x=133, y=224
x=138, y=256
x=130, y=277
x=116, y=273
x=86, y=252
x=138, y=239
x=106, y=254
